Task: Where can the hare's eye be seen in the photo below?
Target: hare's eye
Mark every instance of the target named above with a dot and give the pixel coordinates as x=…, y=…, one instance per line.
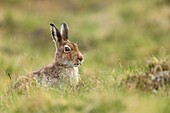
x=67, y=48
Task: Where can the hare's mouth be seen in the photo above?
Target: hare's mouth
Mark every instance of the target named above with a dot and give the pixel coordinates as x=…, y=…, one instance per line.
x=77, y=64
x=72, y=64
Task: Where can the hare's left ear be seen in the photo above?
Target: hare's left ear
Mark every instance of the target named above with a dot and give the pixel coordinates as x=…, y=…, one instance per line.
x=57, y=38
x=64, y=31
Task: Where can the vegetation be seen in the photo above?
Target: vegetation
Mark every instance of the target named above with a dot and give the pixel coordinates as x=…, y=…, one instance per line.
x=122, y=42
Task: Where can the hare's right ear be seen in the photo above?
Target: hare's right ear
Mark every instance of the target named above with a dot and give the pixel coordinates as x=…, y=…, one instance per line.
x=56, y=35
x=64, y=31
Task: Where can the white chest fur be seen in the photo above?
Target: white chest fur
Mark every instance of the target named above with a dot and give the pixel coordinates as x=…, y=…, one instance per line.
x=58, y=77
x=74, y=76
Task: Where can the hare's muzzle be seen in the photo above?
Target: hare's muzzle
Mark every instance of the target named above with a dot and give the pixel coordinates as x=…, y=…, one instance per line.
x=80, y=59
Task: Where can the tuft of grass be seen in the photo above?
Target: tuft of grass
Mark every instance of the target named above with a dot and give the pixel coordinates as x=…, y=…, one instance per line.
x=155, y=77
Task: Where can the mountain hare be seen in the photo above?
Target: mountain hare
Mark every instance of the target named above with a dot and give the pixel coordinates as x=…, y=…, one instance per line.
x=63, y=69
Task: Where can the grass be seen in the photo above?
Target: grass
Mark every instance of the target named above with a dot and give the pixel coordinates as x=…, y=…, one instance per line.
x=117, y=38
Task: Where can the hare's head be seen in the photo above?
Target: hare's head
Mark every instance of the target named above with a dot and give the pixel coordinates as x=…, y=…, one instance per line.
x=67, y=52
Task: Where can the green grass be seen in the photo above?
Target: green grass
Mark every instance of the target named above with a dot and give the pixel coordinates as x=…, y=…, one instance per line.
x=116, y=37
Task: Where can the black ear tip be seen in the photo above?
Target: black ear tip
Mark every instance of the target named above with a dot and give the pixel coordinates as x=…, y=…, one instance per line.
x=63, y=23
x=51, y=24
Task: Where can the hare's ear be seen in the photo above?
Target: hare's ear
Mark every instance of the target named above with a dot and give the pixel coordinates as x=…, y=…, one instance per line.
x=64, y=31
x=56, y=35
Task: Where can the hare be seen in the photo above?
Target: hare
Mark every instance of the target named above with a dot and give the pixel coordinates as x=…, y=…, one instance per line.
x=64, y=68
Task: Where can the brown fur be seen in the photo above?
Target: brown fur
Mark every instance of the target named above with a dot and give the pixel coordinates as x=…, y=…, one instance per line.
x=63, y=69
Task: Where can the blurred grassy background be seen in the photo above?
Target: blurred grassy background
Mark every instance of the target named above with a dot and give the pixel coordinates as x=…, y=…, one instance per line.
x=110, y=33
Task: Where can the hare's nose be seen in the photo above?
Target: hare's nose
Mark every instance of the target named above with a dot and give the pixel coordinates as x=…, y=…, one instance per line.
x=80, y=58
